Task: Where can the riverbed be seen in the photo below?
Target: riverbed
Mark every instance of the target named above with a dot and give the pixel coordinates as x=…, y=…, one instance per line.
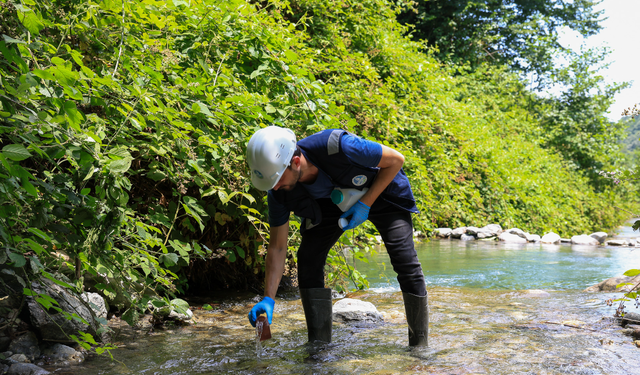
x=494, y=309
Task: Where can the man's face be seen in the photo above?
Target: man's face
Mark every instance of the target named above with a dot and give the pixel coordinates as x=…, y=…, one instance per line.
x=289, y=178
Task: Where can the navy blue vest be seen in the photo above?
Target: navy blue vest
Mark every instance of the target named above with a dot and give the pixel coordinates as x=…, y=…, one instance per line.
x=324, y=150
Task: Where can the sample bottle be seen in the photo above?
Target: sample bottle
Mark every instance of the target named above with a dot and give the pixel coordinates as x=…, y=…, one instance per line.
x=344, y=199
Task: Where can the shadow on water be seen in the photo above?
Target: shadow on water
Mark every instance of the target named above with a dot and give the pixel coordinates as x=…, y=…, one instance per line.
x=494, y=309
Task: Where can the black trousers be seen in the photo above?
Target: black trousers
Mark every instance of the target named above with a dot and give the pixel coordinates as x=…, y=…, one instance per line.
x=396, y=229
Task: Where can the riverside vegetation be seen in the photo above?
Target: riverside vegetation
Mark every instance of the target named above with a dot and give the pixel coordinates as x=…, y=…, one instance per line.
x=124, y=124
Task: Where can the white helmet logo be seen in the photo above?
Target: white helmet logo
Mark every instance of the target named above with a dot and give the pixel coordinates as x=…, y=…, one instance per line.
x=257, y=173
x=359, y=180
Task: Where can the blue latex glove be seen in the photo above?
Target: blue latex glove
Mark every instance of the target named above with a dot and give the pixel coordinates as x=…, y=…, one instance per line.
x=262, y=307
x=359, y=213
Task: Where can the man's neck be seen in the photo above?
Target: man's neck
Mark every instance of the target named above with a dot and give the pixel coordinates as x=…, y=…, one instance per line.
x=308, y=171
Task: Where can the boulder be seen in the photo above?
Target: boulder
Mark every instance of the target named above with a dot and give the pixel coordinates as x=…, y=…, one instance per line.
x=583, y=239
x=610, y=285
x=550, y=238
x=532, y=237
x=511, y=238
x=565, y=240
x=356, y=312
x=26, y=369
x=600, y=236
x=458, y=232
x=26, y=344
x=442, y=232
x=491, y=229
x=517, y=232
x=483, y=235
x=472, y=231
x=96, y=303
x=467, y=237
x=54, y=326
x=59, y=354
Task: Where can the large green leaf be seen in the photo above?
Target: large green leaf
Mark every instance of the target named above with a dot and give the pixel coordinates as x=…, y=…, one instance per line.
x=16, y=152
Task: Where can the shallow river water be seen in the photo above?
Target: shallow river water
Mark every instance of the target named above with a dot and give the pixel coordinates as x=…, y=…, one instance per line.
x=494, y=309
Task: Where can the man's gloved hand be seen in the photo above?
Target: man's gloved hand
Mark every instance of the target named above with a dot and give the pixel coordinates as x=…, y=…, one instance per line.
x=262, y=307
x=359, y=213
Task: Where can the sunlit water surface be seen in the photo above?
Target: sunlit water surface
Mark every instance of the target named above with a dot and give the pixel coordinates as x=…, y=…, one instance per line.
x=494, y=309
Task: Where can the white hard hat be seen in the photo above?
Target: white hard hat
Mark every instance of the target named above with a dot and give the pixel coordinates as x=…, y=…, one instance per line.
x=269, y=153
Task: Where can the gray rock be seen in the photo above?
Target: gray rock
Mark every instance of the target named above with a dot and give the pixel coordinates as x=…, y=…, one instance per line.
x=511, y=238
x=55, y=327
x=565, y=240
x=467, y=237
x=532, y=237
x=472, y=231
x=26, y=344
x=19, y=358
x=600, y=236
x=3, y=368
x=482, y=235
x=442, y=232
x=583, y=239
x=355, y=312
x=174, y=315
x=26, y=369
x=517, y=232
x=493, y=229
x=611, y=284
x=458, y=232
x=97, y=303
x=617, y=243
x=550, y=238
x=62, y=354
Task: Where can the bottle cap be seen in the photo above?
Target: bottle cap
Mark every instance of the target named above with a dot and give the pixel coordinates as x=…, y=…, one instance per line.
x=336, y=196
x=343, y=222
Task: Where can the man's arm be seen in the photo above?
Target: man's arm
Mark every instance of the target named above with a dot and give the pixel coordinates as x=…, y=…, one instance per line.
x=276, y=256
x=390, y=164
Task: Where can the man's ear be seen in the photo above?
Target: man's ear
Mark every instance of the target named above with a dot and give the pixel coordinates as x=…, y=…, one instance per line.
x=295, y=161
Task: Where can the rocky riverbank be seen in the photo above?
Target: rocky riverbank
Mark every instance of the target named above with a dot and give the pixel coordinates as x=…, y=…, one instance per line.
x=494, y=232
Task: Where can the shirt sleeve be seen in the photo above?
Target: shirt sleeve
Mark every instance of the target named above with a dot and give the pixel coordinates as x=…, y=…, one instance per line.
x=361, y=151
x=278, y=213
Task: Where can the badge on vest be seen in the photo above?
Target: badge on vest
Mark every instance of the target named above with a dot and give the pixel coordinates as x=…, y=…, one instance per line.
x=359, y=180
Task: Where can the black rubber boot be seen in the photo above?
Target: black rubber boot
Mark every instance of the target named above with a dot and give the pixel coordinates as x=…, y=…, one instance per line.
x=418, y=318
x=317, y=306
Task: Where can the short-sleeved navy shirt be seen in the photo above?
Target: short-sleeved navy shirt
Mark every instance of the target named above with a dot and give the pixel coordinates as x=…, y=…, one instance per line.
x=359, y=151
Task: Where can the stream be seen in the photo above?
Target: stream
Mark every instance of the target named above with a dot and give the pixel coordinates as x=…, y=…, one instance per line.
x=494, y=309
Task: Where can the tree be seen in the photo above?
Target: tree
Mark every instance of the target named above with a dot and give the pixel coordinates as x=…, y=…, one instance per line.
x=520, y=33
